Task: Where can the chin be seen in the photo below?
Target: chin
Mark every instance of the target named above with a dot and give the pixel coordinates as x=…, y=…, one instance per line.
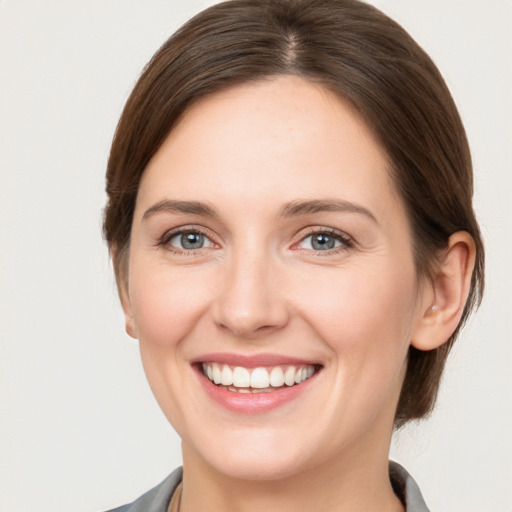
x=262, y=456
x=259, y=468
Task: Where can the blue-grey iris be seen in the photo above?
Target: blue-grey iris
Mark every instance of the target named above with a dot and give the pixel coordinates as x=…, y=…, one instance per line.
x=322, y=242
x=192, y=240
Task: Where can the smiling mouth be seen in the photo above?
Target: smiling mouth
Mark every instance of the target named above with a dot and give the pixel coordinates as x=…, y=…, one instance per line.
x=257, y=380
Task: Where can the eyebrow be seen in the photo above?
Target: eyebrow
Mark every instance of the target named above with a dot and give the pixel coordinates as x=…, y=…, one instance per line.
x=294, y=208
x=172, y=206
x=291, y=209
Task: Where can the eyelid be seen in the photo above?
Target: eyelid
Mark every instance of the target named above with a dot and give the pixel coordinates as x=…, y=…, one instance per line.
x=346, y=240
x=164, y=240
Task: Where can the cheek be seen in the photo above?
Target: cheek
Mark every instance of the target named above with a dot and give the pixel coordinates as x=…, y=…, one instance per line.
x=367, y=323
x=365, y=316
x=167, y=305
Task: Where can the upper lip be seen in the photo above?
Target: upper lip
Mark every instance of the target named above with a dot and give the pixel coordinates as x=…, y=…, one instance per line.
x=252, y=361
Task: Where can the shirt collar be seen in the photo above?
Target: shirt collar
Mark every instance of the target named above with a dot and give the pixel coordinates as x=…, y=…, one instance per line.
x=406, y=488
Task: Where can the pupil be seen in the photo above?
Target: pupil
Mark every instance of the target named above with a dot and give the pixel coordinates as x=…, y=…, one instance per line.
x=323, y=242
x=192, y=240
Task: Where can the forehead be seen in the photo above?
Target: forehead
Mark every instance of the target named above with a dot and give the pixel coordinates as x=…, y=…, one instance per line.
x=284, y=136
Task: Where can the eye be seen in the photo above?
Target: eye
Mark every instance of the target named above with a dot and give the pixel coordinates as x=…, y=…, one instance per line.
x=324, y=241
x=188, y=240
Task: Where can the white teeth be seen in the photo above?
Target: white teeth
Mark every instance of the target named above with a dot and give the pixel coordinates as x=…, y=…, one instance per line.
x=242, y=379
x=226, y=378
x=216, y=373
x=289, y=376
x=276, y=377
x=260, y=378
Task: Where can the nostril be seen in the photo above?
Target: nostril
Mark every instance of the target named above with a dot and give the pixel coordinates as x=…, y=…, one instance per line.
x=247, y=330
x=248, y=303
x=254, y=321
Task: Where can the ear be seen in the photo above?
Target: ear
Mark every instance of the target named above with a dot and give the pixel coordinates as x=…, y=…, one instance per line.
x=129, y=322
x=120, y=260
x=445, y=296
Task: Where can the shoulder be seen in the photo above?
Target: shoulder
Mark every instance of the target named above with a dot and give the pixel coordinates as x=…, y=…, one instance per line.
x=157, y=499
x=406, y=488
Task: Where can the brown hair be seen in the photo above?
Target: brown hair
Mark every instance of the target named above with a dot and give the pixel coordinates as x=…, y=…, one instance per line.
x=361, y=55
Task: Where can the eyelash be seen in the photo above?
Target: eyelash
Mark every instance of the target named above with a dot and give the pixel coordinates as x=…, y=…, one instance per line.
x=168, y=236
x=345, y=241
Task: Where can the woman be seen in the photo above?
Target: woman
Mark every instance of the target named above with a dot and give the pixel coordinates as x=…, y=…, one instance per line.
x=289, y=215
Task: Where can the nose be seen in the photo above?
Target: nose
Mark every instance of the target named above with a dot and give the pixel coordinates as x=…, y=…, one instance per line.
x=251, y=302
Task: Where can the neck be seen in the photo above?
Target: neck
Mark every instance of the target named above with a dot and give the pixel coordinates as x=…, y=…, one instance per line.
x=342, y=484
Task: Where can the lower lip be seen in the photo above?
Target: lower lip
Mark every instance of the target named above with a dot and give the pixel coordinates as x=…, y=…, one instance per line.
x=253, y=403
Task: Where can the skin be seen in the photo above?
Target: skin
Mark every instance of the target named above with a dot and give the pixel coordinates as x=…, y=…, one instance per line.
x=259, y=286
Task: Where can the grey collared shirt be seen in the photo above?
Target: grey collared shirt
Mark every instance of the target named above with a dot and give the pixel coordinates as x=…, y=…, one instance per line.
x=158, y=498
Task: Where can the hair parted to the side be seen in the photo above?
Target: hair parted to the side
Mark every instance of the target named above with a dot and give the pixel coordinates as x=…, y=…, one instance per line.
x=363, y=56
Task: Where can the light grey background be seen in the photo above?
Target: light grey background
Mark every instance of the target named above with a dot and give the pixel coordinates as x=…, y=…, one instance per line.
x=80, y=429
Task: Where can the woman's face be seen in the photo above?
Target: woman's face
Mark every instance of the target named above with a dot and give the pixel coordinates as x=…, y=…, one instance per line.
x=269, y=246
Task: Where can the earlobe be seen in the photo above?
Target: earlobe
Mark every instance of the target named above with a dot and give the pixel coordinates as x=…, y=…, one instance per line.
x=130, y=328
x=129, y=322
x=446, y=298
x=120, y=261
